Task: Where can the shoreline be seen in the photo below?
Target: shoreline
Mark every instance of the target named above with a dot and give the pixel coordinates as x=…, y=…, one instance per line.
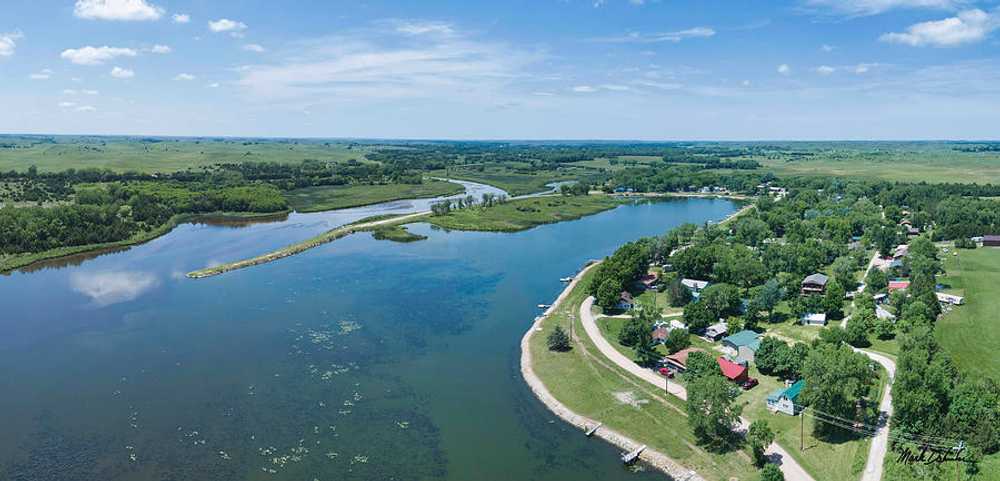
x=650, y=456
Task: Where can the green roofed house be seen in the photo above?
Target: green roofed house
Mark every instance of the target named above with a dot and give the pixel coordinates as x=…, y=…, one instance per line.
x=743, y=344
x=784, y=400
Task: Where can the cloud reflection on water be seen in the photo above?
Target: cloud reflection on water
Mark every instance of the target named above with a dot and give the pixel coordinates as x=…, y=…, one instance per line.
x=112, y=287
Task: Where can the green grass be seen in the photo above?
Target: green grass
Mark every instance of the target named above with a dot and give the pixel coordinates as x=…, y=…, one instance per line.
x=521, y=214
x=971, y=332
x=514, y=182
x=396, y=233
x=316, y=199
x=586, y=382
x=161, y=155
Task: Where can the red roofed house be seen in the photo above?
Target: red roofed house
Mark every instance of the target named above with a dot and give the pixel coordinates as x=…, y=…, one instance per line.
x=898, y=285
x=678, y=360
x=660, y=333
x=734, y=372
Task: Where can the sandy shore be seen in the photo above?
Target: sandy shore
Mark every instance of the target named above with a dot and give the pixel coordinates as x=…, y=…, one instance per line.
x=654, y=458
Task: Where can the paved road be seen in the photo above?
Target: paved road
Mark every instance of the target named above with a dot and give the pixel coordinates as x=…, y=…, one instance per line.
x=791, y=469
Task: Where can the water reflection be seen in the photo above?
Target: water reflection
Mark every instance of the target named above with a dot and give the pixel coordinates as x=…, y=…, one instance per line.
x=107, y=288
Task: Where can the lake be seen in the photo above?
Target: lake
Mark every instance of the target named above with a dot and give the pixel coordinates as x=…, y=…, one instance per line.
x=357, y=360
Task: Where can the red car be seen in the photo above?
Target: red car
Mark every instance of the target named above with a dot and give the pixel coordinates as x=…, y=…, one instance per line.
x=666, y=372
x=749, y=384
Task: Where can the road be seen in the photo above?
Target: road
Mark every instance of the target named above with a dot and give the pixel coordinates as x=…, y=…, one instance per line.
x=791, y=469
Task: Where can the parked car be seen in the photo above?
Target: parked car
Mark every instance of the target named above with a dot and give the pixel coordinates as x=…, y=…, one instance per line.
x=665, y=371
x=749, y=384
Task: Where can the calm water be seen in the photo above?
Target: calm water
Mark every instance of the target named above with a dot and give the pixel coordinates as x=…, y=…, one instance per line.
x=361, y=359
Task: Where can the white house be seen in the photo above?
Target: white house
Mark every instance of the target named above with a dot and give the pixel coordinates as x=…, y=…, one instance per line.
x=949, y=299
x=814, y=319
x=694, y=284
x=783, y=400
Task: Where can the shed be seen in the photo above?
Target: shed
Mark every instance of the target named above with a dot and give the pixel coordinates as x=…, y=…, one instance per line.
x=743, y=344
x=784, y=400
x=733, y=371
x=814, y=284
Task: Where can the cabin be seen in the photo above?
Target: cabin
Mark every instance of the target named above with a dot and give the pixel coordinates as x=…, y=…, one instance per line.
x=732, y=370
x=716, y=331
x=814, y=319
x=991, y=241
x=625, y=301
x=743, y=344
x=814, y=284
x=694, y=285
x=898, y=285
x=950, y=299
x=678, y=360
x=785, y=400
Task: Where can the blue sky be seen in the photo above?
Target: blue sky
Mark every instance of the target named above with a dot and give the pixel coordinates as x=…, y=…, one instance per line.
x=512, y=69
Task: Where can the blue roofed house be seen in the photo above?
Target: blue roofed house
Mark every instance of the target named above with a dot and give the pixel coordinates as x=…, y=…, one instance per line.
x=743, y=344
x=784, y=400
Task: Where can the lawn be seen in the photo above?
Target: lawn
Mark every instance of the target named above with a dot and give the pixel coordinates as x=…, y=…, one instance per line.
x=971, y=332
x=57, y=153
x=591, y=386
x=521, y=214
x=316, y=199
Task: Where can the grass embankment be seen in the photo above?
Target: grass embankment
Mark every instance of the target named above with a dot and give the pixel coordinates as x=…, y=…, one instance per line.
x=521, y=214
x=317, y=199
x=514, y=182
x=13, y=262
x=971, y=332
x=593, y=387
x=396, y=233
x=305, y=245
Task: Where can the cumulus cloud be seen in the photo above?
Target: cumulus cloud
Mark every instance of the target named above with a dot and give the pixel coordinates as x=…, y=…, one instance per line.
x=43, y=74
x=226, y=25
x=112, y=287
x=8, y=43
x=675, y=37
x=162, y=49
x=825, y=70
x=122, y=73
x=253, y=47
x=184, y=77
x=124, y=10
x=875, y=7
x=96, y=55
x=181, y=18
x=784, y=69
x=968, y=26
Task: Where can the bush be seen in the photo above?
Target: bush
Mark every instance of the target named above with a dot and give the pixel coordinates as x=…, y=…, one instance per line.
x=558, y=340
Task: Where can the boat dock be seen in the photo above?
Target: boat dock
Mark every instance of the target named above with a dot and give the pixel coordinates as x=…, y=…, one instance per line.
x=590, y=432
x=630, y=457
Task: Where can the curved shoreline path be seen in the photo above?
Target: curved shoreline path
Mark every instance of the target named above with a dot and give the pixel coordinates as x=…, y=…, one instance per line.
x=655, y=458
x=789, y=467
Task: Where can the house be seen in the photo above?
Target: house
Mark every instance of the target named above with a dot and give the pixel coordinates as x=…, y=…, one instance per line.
x=814, y=284
x=912, y=231
x=881, y=313
x=733, y=371
x=784, y=400
x=991, y=240
x=694, y=285
x=649, y=281
x=814, y=319
x=949, y=299
x=898, y=285
x=743, y=344
x=660, y=333
x=716, y=331
x=881, y=298
x=678, y=360
x=901, y=251
x=625, y=301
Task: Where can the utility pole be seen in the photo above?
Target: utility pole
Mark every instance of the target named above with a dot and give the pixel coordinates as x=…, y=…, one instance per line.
x=802, y=423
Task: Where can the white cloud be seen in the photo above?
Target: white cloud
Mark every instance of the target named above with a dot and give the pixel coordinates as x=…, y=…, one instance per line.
x=675, y=37
x=745, y=83
x=969, y=26
x=184, y=76
x=162, y=49
x=90, y=92
x=615, y=88
x=213, y=85
x=8, y=43
x=112, y=287
x=86, y=108
x=96, y=55
x=226, y=25
x=122, y=73
x=424, y=28
x=181, y=18
x=584, y=89
x=126, y=10
x=67, y=105
x=863, y=68
x=253, y=47
x=825, y=70
x=43, y=74
x=784, y=69
x=875, y=7
x=827, y=48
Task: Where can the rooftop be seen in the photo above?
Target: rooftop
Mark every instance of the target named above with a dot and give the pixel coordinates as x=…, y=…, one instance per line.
x=818, y=279
x=744, y=338
x=790, y=392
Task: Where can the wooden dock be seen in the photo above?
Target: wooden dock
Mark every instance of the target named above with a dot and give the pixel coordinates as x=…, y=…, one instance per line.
x=590, y=432
x=630, y=457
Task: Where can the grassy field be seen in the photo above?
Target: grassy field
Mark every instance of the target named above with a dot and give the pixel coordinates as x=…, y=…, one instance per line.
x=591, y=386
x=396, y=233
x=506, y=177
x=521, y=214
x=316, y=199
x=971, y=333
x=161, y=154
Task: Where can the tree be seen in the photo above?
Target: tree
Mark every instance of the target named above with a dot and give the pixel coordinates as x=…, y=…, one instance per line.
x=608, y=293
x=857, y=331
x=833, y=300
x=678, y=294
x=677, y=339
x=768, y=356
x=771, y=472
x=752, y=232
x=635, y=331
x=712, y=410
x=645, y=353
x=876, y=281
x=843, y=269
x=759, y=437
x=698, y=317
x=769, y=296
x=558, y=340
x=733, y=325
x=700, y=363
x=836, y=379
x=723, y=300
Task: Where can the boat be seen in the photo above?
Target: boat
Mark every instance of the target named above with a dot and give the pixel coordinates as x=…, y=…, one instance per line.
x=566, y=279
x=544, y=306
